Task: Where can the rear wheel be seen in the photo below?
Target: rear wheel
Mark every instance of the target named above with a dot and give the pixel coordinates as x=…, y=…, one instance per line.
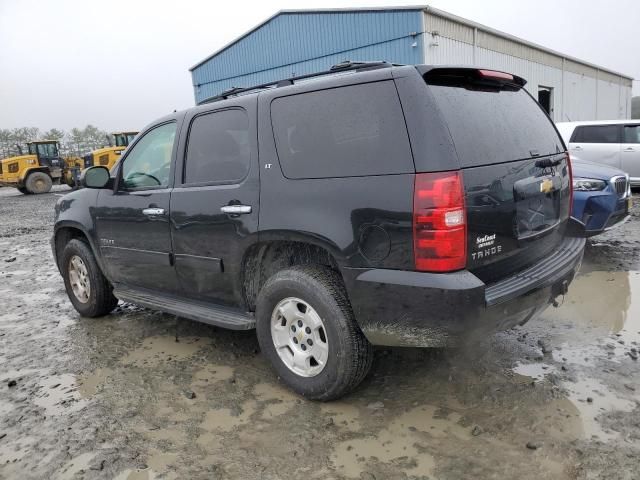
x=307, y=330
x=89, y=291
x=39, y=182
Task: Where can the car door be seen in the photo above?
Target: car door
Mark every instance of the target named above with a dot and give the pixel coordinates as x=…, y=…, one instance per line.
x=630, y=151
x=596, y=143
x=132, y=220
x=214, y=207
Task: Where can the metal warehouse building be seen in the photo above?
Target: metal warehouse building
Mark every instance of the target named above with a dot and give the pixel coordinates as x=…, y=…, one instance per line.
x=296, y=42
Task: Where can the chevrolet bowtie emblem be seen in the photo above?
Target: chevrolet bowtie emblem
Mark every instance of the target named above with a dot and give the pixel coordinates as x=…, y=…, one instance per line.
x=546, y=186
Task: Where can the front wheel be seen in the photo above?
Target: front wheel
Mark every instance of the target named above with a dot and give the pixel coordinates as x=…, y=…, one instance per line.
x=307, y=330
x=39, y=182
x=89, y=291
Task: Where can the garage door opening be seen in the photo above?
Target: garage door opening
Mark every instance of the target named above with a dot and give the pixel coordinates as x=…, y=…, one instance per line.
x=545, y=98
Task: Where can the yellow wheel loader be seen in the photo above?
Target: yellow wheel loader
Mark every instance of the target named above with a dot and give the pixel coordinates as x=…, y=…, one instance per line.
x=105, y=157
x=34, y=172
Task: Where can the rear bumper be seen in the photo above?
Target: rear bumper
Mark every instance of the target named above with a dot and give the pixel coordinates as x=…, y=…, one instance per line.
x=403, y=308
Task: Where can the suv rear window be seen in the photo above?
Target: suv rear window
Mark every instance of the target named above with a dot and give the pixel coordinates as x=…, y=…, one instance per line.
x=596, y=134
x=349, y=131
x=493, y=125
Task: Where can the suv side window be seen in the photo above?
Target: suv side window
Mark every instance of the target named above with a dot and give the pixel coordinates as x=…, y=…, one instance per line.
x=149, y=162
x=632, y=134
x=348, y=131
x=596, y=134
x=218, y=149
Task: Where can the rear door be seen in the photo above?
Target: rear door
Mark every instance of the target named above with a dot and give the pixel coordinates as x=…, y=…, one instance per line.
x=214, y=207
x=515, y=170
x=596, y=143
x=630, y=151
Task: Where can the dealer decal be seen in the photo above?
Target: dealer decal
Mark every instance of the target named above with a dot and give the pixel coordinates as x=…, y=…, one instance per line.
x=486, y=246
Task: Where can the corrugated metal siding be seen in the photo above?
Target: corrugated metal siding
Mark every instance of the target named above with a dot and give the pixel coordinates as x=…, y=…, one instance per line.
x=447, y=51
x=448, y=28
x=508, y=47
x=308, y=42
x=609, y=99
x=576, y=95
x=580, y=97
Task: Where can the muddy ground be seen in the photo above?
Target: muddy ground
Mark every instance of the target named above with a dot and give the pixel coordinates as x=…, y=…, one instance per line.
x=139, y=395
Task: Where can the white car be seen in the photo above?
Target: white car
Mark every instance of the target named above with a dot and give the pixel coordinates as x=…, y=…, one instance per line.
x=611, y=142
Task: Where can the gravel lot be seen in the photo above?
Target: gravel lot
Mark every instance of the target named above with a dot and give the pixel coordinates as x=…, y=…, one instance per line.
x=141, y=395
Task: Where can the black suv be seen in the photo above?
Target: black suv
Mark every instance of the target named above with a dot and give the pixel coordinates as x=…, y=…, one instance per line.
x=372, y=204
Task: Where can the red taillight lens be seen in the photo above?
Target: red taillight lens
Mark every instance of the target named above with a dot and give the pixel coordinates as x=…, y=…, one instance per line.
x=495, y=74
x=570, y=184
x=439, y=222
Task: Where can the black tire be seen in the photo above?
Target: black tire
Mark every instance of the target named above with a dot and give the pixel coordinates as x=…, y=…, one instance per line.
x=38, y=182
x=23, y=190
x=350, y=354
x=101, y=300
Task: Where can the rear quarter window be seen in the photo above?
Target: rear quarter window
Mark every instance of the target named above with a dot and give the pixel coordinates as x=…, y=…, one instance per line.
x=356, y=130
x=494, y=125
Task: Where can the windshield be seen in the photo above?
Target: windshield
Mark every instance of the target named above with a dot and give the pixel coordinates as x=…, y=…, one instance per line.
x=47, y=149
x=124, y=139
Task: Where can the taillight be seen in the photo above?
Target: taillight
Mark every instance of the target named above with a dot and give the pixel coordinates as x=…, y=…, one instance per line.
x=570, y=184
x=439, y=222
x=495, y=74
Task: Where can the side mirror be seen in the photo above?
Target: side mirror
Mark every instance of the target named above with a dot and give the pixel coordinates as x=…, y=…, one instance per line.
x=95, y=177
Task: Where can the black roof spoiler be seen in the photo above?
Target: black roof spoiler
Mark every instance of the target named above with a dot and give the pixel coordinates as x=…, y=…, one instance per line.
x=461, y=75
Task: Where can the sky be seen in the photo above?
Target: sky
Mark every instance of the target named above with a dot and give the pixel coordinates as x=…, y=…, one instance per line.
x=120, y=64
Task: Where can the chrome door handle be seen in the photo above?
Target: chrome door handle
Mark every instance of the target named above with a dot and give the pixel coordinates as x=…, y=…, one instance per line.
x=153, y=211
x=236, y=209
x=629, y=149
x=576, y=148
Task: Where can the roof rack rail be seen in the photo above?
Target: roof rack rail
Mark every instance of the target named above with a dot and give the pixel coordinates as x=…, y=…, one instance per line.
x=347, y=65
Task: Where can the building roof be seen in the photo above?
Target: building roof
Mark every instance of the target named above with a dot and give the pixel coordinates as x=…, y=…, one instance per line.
x=425, y=8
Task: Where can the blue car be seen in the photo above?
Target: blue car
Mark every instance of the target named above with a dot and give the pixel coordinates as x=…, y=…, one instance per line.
x=601, y=196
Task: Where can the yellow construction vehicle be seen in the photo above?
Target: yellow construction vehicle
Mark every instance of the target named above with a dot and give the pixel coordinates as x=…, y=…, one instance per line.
x=105, y=157
x=36, y=171
x=108, y=156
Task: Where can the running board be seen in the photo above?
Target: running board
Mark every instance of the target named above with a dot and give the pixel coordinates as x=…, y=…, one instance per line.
x=216, y=315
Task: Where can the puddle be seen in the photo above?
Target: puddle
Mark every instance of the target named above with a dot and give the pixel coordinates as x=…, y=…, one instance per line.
x=603, y=400
x=401, y=443
x=534, y=370
x=155, y=350
x=279, y=400
x=209, y=376
x=607, y=301
x=88, y=384
x=59, y=395
x=343, y=415
x=224, y=420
